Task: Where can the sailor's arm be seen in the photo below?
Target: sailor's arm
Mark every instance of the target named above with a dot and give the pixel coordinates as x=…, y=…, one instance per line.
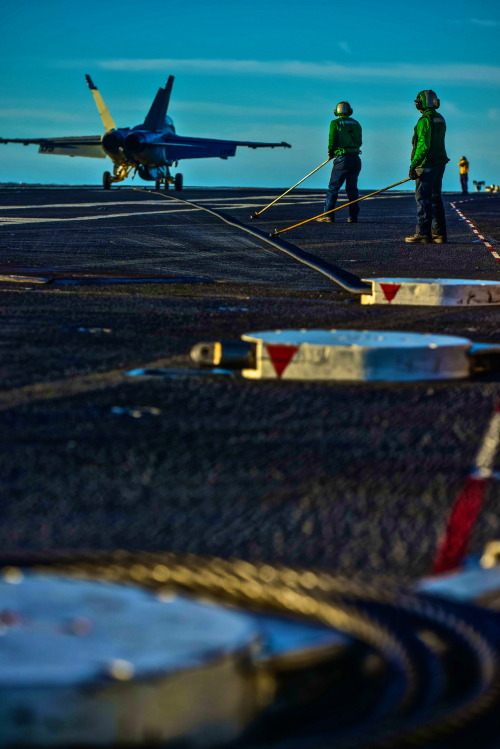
x=332, y=138
x=422, y=146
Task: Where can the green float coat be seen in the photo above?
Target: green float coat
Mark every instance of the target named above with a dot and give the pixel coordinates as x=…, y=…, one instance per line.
x=428, y=140
x=345, y=136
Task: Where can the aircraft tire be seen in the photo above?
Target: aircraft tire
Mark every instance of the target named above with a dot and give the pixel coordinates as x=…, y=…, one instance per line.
x=106, y=180
x=158, y=184
x=178, y=181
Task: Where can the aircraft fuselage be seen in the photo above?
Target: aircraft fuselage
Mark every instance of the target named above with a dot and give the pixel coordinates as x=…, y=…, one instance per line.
x=138, y=146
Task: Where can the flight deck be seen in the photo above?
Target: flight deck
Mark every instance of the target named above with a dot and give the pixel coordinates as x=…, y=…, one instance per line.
x=113, y=438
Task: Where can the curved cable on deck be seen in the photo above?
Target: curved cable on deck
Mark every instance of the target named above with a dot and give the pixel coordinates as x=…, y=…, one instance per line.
x=348, y=281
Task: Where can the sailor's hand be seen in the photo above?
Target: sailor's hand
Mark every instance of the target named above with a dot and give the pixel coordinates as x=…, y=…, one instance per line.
x=412, y=174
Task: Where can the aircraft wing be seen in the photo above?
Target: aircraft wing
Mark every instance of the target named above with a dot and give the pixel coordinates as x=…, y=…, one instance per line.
x=177, y=140
x=251, y=144
x=88, y=146
x=176, y=147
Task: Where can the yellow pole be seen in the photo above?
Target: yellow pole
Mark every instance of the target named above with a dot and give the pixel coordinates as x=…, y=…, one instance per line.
x=344, y=205
x=257, y=213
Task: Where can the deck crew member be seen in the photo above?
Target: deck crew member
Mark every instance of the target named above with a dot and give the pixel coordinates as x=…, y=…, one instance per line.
x=344, y=144
x=427, y=165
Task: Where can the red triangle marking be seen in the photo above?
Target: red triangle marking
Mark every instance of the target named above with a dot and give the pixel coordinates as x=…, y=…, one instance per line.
x=281, y=356
x=390, y=290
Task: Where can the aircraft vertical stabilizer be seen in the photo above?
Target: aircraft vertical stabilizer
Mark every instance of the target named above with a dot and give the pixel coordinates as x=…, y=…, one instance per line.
x=107, y=120
x=155, y=118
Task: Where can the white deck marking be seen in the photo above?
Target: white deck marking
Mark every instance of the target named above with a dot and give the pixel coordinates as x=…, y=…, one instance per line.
x=233, y=203
x=29, y=220
x=76, y=205
x=482, y=238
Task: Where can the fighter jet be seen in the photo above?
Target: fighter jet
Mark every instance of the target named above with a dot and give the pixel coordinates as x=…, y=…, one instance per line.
x=149, y=149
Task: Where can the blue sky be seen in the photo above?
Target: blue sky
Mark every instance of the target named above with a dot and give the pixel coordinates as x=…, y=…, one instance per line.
x=256, y=70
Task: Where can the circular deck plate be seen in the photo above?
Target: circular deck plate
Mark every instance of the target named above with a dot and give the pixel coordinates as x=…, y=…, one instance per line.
x=444, y=292
x=96, y=663
x=354, y=355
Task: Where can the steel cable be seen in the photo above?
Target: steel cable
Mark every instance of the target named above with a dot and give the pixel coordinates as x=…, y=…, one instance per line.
x=343, y=278
x=420, y=704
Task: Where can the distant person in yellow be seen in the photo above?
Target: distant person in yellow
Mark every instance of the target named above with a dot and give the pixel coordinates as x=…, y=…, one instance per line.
x=464, y=174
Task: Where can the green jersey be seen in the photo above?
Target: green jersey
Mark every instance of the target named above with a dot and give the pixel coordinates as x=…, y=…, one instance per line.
x=428, y=140
x=345, y=136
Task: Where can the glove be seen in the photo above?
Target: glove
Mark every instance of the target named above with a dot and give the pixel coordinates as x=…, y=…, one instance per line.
x=412, y=174
x=331, y=155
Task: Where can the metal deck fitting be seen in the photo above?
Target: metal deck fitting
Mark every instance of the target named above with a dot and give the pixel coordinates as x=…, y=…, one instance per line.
x=83, y=672
x=356, y=356
x=440, y=292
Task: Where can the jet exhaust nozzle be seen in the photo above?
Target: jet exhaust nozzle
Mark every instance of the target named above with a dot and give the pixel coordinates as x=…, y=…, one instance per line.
x=113, y=141
x=135, y=142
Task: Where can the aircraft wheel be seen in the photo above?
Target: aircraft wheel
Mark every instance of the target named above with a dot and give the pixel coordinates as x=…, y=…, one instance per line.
x=158, y=184
x=106, y=180
x=178, y=181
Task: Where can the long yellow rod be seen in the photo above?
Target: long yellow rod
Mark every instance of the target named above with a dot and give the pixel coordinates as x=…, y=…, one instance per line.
x=344, y=205
x=257, y=213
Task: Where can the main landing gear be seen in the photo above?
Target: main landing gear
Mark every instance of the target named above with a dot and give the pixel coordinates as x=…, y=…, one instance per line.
x=176, y=181
x=120, y=172
x=106, y=180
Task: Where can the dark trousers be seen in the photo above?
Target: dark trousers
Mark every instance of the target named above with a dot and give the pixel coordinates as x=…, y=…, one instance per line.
x=430, y=208
x=346, y=169
x=464, y=178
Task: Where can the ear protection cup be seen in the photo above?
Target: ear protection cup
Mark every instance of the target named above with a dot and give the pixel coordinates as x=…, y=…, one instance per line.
x=343, y=108
x=427, y=99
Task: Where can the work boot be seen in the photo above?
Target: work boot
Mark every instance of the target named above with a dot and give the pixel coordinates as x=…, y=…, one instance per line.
x=352, y=220
x=439, y=239
x=419, y=239
x=327, y=219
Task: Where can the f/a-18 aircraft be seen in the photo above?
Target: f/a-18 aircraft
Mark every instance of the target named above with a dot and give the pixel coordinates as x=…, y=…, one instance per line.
x=149, y=149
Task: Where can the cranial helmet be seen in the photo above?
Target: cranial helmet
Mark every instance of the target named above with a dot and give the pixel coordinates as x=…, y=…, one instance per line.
x=343, y=108
x=427, y=99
